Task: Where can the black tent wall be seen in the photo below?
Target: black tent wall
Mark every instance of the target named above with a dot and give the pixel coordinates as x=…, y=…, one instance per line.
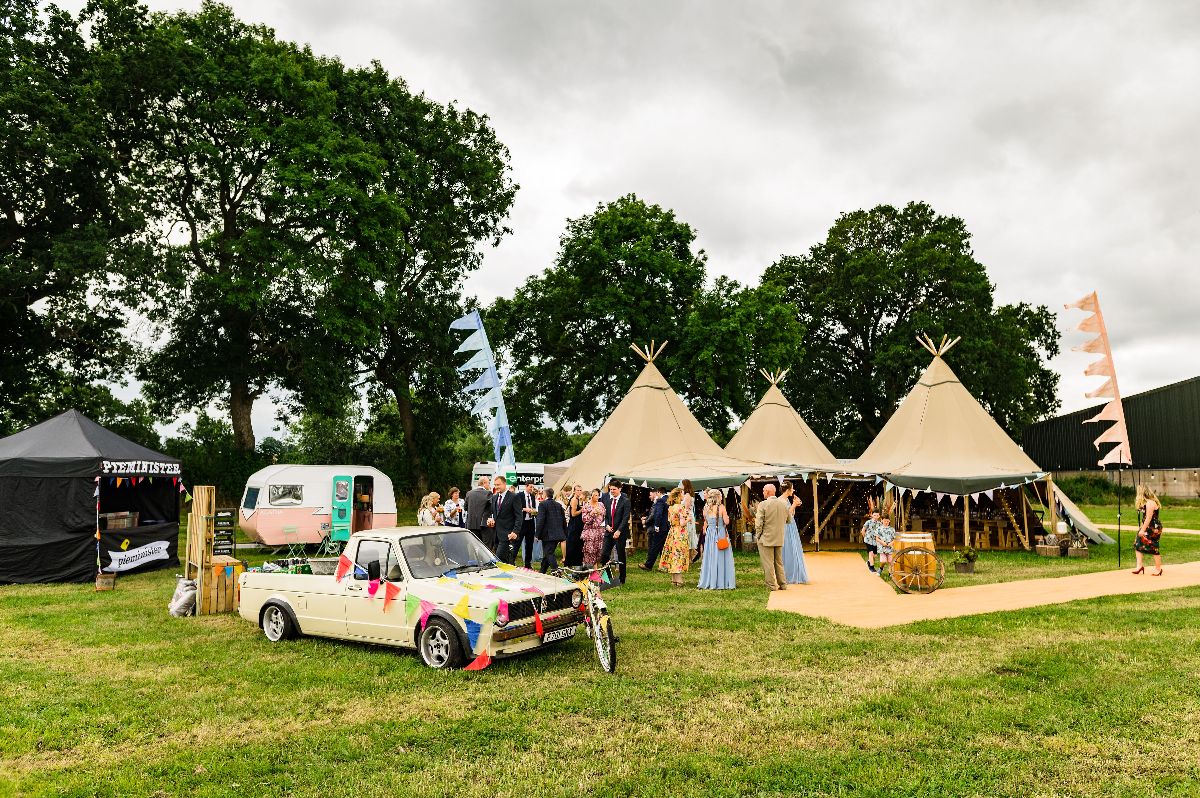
x=47, y=529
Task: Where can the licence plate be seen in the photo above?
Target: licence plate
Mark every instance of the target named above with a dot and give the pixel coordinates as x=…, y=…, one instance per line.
x=559, y=634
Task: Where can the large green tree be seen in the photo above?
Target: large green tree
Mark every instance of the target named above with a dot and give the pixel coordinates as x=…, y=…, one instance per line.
x=72, y=222
x=880, y=278
x=432, y=187
x=630, y=273
x=256, y=174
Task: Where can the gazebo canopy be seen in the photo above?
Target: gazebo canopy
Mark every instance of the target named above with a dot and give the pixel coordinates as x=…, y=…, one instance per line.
x=941, y=439
x=72, y=445
x=775, y=433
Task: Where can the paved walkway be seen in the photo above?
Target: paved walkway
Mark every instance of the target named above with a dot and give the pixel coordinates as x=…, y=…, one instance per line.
x=844, y=591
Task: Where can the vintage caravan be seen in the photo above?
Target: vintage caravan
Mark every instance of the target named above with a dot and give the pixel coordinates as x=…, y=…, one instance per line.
x=308, y=503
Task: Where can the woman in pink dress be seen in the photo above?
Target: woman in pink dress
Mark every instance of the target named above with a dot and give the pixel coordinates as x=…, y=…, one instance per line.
x=593, y=529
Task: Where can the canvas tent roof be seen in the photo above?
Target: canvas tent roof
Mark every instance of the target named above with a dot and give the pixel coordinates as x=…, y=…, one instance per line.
x=775, y=433
x=941, y=439
x=653, y=426
x=69, y=445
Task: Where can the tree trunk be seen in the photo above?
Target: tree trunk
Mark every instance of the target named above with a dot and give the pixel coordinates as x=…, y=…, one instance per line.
x=408, y=422
x=241, y=403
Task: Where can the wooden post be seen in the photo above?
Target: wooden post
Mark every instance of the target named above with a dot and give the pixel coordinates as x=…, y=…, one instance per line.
x=816, y=516
x=1051, y=513
x=966, y=519
x=1025, y=516
x=200, y=529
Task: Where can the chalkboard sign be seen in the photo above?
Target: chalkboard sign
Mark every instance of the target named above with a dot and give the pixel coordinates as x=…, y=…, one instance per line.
x=224, y=528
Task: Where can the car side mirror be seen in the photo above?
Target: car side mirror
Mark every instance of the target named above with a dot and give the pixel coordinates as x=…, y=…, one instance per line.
x=373, y=571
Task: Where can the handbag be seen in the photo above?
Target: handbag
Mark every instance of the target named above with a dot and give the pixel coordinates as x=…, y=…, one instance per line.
x=722, y=543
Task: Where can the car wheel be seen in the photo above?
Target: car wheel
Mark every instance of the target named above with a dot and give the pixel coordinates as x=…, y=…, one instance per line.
x=277, y=624
x=439, y=645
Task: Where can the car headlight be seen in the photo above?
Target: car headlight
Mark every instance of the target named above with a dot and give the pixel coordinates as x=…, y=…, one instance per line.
x=576, y=599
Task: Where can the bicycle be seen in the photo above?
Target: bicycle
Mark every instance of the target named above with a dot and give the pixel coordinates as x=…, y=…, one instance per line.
x=597, y=622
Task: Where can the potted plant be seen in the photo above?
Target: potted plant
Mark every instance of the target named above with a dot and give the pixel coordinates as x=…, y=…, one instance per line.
x=965, y=564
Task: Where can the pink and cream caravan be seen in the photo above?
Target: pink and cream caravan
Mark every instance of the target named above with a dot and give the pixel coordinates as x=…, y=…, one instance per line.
x=308, y=503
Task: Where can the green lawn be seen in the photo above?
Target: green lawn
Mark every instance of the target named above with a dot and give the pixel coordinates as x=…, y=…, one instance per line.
x=1179, y=516
x=105, y=694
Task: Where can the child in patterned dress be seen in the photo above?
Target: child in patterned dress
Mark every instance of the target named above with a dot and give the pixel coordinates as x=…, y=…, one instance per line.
x=885, y=533
x=870, y=539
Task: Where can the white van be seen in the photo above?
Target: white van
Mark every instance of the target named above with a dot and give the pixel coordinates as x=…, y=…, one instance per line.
x=526, y=472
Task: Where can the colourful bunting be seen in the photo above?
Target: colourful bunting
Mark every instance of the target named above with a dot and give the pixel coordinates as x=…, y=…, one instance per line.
x=490, y=615
x=604, y=575
x=390, y=592
x=187, y=497
x=451, y=574
x=426, y=608
x=372, y=587
x=532, y=589
x=119, y=480
x=460, y=609
x=343, y=568
x=473, y=633
x=503, y=566
x=411, y=605
x=595, y=577
x=502, y=610
x=480, y=662
x=537, y=623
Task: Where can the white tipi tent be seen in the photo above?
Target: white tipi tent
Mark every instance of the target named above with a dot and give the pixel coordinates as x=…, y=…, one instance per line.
x=775, y=433
x=651, y=437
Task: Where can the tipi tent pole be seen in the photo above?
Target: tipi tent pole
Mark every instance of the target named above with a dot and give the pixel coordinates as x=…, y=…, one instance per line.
x=1050, y=511
x=1119, y=486
x=1025, y=515
x=816, y=517
x=966, y=519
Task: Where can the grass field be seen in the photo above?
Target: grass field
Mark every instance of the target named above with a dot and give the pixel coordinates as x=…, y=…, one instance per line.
x=105, y=694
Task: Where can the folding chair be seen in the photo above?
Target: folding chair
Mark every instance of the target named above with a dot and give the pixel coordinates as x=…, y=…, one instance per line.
x=291, y=540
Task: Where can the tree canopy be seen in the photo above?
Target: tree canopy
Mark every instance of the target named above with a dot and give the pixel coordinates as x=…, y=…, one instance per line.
x=881, y=277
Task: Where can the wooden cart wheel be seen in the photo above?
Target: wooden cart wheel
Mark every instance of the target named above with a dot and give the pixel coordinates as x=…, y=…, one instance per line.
x=917, y=570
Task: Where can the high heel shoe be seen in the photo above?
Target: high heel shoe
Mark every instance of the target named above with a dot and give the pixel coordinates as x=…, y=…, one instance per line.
x=1156, y=573
x=1139, y=570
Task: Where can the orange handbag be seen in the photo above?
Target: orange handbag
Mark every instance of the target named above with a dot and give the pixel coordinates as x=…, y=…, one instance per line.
x=722, y=543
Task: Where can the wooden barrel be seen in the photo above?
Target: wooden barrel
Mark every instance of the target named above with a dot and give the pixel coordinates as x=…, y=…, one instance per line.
x=927, y=562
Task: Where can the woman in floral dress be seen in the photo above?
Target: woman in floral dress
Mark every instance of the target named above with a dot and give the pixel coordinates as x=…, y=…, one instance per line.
x=593, y=529
x=1149, y=530
x=676, y=557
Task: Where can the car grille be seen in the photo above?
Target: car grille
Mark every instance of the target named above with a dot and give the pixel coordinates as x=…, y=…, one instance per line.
x=552, y=602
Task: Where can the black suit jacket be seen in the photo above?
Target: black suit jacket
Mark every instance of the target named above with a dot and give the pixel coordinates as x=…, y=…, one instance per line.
x=551, y=523
x=479, y=507
x=621, y=521
x=505, y=509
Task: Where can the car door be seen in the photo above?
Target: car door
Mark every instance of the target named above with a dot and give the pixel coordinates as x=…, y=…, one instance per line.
x=365, y=617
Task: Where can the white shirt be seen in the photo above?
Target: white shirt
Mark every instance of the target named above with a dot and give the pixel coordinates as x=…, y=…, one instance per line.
x=453, y=511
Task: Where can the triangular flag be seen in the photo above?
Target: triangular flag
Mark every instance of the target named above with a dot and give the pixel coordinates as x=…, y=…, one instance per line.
x=1110, y=412
x=1094, y=346
x=411, y=604
x=503, y=566
x=537, y=623
x=451, y=574
x=175, y=480
x=595, y=577
x=372, y=587
x=119, y=480
x=485, y=380
x=1100, y=368
x=474, y=341
x=502, y=610
x=988, y=493
x=390, y=592
x=1114, y=434
x=343, y=568
x=187, y=497
x=1107, y=390
x=426, y=608
x=1090, y=324
x=479, y=663
x=473, y=633
x=604, y=576
x=489, y=400
x=490, y=615
x=940, y=496
x=1118, y=454
x=460, y=609
x=1088, y=303
x=480, y=360
x=531, y=589
x=471, y=321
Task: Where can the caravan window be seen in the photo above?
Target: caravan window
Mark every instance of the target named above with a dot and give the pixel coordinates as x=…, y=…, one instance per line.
x=251, y=500
x=287, y=494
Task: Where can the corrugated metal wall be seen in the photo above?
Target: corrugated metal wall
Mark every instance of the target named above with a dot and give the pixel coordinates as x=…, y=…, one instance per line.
x=1164, y=432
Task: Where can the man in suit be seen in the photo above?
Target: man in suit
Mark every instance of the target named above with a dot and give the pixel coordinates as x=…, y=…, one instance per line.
x=479, y=510
x=505, y=520
x=551, y=527
x=528, y=509
x=616, y=525
x=657, y=527
x=771, y=518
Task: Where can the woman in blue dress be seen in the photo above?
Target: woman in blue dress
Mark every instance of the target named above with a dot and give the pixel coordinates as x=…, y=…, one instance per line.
x=716, y=566
x=793, y=551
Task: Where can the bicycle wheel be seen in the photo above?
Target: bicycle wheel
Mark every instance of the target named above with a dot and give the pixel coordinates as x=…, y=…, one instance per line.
x=606, y=644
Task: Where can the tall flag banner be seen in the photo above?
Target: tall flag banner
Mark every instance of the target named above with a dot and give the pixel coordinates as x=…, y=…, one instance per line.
x=488, y=405
x=1114, y=411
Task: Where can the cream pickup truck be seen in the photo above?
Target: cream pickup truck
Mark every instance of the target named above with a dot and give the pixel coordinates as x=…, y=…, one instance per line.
x=436, y=589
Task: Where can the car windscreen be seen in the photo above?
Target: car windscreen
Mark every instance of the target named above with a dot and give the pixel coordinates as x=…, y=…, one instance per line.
x=438, y=552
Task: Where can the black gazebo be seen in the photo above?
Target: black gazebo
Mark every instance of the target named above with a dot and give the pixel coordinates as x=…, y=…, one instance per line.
x=68, y=477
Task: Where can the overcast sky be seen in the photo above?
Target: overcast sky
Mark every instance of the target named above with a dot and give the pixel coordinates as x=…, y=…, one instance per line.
x=1063, y=134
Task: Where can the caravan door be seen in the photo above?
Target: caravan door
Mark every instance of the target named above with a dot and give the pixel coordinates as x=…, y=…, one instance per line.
x=340, y=508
